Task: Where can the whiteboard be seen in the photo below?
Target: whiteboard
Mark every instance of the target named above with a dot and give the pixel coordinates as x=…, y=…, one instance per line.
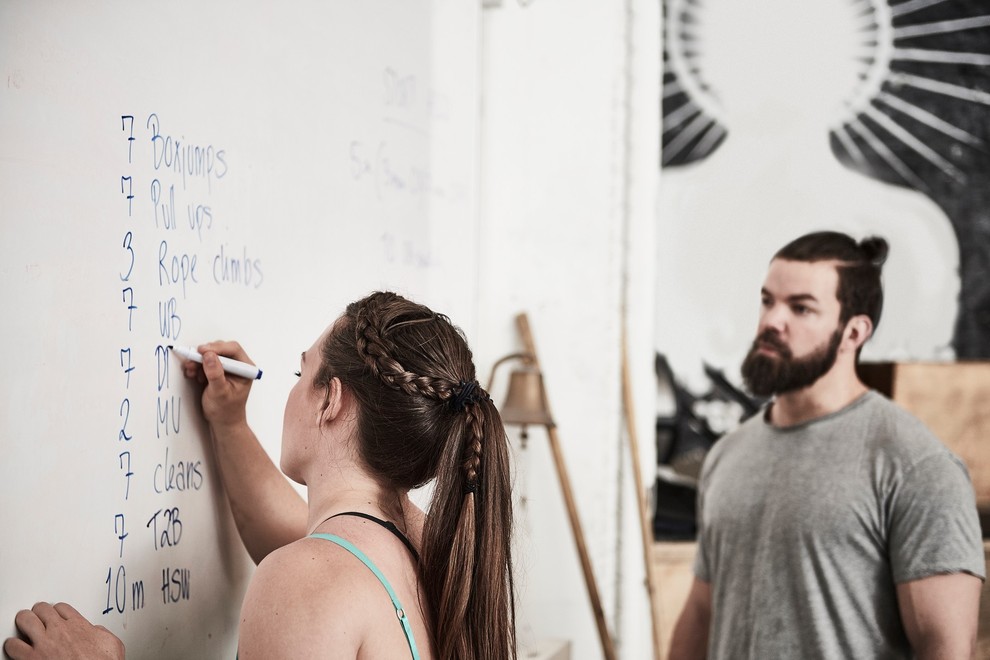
x=177, y=172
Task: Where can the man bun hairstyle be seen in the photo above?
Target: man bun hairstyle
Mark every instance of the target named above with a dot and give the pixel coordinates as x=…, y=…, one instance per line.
x=859, y=265
x=874, y=250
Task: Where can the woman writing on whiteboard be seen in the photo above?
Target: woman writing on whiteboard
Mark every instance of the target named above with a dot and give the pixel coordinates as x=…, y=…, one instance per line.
x=387, y=400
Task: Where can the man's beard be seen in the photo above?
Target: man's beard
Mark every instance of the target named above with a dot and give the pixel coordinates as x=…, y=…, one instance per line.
x=765, y=375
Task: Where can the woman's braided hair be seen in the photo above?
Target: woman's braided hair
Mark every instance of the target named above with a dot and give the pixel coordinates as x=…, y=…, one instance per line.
x=422, y=415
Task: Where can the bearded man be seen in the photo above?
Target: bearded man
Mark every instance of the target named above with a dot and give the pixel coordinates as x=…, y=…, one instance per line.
x=833, y=525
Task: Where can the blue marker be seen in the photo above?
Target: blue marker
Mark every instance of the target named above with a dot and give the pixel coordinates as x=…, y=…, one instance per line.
x=242, y=369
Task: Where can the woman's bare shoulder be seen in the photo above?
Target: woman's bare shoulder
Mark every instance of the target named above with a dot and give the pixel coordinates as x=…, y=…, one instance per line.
x=305, y=599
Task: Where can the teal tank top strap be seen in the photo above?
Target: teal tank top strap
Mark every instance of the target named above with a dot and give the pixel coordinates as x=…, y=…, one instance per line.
x=399, y=611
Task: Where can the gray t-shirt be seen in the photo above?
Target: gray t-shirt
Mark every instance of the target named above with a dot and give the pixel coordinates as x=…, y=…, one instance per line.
x=806, y=530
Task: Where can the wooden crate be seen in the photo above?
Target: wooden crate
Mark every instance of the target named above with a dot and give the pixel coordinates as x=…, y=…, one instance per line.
x=673, y=564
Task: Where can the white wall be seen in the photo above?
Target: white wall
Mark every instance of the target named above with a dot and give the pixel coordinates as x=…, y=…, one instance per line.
x=775, y=178
x=543, y=122
x=454, y=99
x=568, y=158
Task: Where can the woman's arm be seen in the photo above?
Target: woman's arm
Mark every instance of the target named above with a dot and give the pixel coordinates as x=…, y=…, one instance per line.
x=309, y=599
x=268, y=511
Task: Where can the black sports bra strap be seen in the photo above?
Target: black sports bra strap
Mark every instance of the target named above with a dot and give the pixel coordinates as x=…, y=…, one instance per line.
x=384, y=523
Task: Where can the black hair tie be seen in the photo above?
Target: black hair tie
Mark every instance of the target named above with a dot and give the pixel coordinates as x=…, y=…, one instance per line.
x=471, y=487
x=465, y=394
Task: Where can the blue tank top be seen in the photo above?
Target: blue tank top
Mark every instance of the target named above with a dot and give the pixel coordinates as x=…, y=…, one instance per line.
x=399, y=612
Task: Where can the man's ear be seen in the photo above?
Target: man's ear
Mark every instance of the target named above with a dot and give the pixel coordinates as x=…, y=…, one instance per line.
x=334, y=401
x=858, y=329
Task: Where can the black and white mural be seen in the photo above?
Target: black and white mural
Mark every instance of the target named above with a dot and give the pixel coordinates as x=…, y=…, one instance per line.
x=866, y=116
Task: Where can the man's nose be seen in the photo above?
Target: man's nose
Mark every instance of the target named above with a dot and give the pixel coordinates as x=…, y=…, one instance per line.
x=774, y=318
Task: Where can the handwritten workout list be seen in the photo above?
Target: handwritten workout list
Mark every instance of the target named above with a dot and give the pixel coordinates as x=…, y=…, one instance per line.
x=172, y=249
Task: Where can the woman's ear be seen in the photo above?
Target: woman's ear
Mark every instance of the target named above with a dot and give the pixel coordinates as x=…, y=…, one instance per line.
x=334, y=401
x=859, y=329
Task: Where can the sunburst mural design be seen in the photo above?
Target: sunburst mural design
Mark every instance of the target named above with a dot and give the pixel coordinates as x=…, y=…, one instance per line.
x=918, y=117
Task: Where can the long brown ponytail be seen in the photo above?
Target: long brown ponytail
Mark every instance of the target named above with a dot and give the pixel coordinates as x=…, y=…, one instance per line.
x=422, y=416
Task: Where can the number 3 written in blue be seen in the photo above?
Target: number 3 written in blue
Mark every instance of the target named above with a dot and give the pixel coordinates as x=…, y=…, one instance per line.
x=127, y=246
